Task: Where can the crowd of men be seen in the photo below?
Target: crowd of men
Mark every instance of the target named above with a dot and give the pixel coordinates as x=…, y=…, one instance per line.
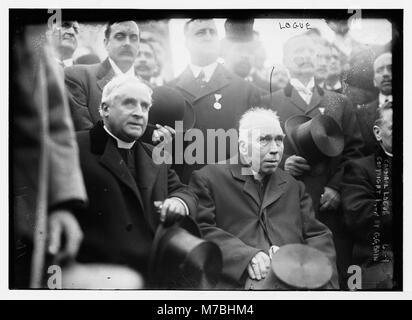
x=310, y=165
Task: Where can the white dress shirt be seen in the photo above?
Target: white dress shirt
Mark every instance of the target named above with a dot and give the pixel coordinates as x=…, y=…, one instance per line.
x=383, y=98
x=208, y=70
x=119, y=72
x=305, y=92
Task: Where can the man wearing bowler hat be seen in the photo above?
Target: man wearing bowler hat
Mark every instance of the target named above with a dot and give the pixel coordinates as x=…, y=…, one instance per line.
x=251, y=207
x=123, y=181
x=217, y=95
x=303, y=97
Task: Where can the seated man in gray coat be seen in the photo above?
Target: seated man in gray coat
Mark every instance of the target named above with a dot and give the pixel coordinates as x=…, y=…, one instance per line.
x=250, y=207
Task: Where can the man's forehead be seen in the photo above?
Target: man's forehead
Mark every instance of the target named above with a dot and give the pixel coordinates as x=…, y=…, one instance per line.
x=383, y=60
x=134, y=91
x=262, y=125
x=301, y=42
x=125, y=26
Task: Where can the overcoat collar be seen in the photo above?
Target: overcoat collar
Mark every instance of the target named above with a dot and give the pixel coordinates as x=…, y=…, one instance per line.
x=297, y=100
x=187, y=82
x=105, y=73
x=274, y=189
x=146, y=170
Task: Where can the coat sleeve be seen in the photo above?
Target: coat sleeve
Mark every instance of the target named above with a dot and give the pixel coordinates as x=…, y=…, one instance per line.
x=181, y=191
x=236, y=254
x=353, y=143
x=77, y=100
x=317, y=235
x=358, y=200
x=65, y=178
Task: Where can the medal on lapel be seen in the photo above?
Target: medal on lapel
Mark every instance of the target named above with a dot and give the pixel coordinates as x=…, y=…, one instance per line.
x=322, y=110
x=217, y=104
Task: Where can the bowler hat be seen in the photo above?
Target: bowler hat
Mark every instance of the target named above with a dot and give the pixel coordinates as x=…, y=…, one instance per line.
x=295, y=267
x=316, y=138
x=239, y=30
x=181, y=259
x=169, y=106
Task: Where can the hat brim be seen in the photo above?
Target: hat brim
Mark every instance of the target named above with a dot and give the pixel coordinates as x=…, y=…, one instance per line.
x=290, y=127
x=189, y=117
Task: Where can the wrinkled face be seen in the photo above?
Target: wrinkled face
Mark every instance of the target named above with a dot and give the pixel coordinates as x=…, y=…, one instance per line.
x=123, y=43
x=335, y=67
x=202, y=42
x=322, y=62
x=383, y=132
x=127, y=113
x=264, y=147
x=383, y=74
x=239, y=58
x=145, y=64
x=66, y=36
x=299, y=57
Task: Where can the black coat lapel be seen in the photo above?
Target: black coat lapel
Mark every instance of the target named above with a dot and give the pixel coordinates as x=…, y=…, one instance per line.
x=274, y=190
x=104, y=74
x=316, y=99
x=248, y=185
x=113, y=161
x=295, y=98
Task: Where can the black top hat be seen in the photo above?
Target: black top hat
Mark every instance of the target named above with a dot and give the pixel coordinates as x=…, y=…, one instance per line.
x=316, y=138
x=239, y=30
x=169, y=106
x=295, y=267
x=181, y=259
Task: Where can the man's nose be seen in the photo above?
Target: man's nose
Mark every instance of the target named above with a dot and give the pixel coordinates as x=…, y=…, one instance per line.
x=274, y=148
x=386, y=72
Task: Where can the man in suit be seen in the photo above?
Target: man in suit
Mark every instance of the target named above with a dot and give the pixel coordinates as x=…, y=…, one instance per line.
x=85, y=83
x=64, y=42
x=367, y=205
x=123, y=181
x=333, y=81
x=366, y=113
x=251, y=207
x=147, y=65
x=303, y=97
x=218, y=96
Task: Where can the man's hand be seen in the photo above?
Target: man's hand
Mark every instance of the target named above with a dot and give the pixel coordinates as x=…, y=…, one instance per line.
x=171, y=209
x=330, y=199
x=296, y=166
x=63, y=224
x=163, y=134
x=259, y=266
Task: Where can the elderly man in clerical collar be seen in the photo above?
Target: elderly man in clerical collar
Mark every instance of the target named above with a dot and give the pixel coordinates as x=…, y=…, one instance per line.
x=124, y=184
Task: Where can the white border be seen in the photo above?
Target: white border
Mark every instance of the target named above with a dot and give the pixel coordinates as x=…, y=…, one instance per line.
x=203, y=295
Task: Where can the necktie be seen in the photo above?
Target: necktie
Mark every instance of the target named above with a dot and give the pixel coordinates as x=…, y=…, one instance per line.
x=201, y=79
x=128, y=157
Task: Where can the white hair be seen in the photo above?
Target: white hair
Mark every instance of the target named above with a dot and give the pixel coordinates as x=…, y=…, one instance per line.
x=251, y=119
x=110, y=89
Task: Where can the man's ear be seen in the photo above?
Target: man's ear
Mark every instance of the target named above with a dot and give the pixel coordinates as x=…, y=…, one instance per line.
x=104, y=109
x=243, y=148
x=377, y=133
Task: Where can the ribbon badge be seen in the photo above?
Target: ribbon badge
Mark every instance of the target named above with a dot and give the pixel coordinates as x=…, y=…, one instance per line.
x=322, y=110
x=217, y=104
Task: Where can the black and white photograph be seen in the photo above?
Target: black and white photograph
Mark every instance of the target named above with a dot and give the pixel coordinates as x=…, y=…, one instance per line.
x=189, y=150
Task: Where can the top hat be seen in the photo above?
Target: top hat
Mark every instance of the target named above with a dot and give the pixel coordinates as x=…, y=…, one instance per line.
x=169, y=106
x=181, y=259
x=316, y=138
x=295, y=267
x=239, y=30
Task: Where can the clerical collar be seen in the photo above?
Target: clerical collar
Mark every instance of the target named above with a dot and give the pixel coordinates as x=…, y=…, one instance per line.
x=383, y=98
x=208, y=70
x=120, y=143
x=119, y=72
